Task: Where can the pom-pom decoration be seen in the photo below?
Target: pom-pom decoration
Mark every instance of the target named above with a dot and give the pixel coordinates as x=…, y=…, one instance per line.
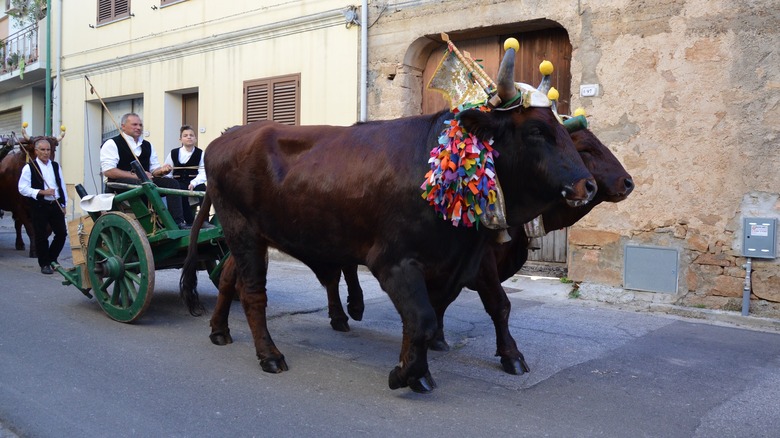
x=553, y=94
x=25, y=124
x=546, y=68
x=579, y=112
x=62, y=128
x=461, y=185
x=511, y=43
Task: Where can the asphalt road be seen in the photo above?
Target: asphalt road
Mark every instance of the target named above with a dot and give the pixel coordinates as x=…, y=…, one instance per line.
x=67, y=370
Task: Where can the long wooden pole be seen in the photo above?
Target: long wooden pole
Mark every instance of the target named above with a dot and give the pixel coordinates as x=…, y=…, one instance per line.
x=111, y=116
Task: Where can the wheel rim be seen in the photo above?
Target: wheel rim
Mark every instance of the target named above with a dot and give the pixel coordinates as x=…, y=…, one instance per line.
x=120, y=266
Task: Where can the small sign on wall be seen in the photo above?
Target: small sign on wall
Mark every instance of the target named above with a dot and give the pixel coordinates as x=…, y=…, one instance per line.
x=759, y=237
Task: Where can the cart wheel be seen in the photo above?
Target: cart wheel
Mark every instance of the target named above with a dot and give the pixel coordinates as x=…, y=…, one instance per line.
x=120, y=266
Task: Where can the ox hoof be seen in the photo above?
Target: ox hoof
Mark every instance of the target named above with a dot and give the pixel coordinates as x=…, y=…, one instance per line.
x=516, y=366
x=439, y=345
x=221, y=338
x=340, y=325
x=20, y=247
x=423, y=385
x=274, y=365
x=356, y=311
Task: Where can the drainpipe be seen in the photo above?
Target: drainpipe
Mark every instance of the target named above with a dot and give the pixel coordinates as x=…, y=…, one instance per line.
x=746, y=290
x=58, y=73
x=47, y=104
x=363, y=60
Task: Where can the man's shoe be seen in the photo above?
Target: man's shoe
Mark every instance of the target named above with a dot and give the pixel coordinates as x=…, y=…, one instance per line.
x=184, y=226
x=46, y=270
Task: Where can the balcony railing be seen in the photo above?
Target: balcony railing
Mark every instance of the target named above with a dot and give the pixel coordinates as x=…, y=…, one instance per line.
x=20, y=46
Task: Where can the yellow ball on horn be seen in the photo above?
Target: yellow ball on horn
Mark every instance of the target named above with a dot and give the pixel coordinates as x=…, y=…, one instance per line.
x=25, y=124
x=512, y=43
x=553, y=94
x=579, y=112
x=546, y=68
x=62, y=128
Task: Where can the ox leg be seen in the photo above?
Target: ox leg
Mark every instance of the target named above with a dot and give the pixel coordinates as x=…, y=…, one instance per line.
x=19, y=240
x=329, y=278
x=405, y=284
x=252, y=269
x=498, y=306
x=355, y=305
x=439, y=343
x=228, y=291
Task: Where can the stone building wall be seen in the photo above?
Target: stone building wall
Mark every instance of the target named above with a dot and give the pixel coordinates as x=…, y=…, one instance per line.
x=689, y=93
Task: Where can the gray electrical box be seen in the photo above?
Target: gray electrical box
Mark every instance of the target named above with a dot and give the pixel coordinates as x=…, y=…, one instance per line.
x=650, y=268
x=759, y=237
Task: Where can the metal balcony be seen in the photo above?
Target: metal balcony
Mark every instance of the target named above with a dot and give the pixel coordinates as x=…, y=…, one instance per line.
x=20, y=60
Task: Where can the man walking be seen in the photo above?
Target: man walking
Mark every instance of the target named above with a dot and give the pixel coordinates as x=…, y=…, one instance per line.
x=41, y=181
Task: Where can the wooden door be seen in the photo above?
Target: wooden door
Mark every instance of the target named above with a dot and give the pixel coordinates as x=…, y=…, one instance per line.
x=189, y=113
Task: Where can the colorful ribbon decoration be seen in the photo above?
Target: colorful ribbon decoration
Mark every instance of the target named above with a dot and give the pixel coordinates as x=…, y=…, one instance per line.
x=461, y=184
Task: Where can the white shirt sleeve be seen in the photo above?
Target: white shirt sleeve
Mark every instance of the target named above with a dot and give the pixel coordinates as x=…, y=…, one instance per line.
x=24, y=184
x=109, y=156
x=201, y=177
x=169, y=161
x=154, y=162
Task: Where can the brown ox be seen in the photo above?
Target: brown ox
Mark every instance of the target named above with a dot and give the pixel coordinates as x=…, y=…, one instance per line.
x=337, y=196
x=505, y=260
x=10, y=199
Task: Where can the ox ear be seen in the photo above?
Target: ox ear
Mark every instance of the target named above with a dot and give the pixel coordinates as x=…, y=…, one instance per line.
x=478, y=123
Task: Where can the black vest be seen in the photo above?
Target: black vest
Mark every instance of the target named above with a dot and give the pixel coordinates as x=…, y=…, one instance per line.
x=186, y=175
x=126, y=155
x=36, y=180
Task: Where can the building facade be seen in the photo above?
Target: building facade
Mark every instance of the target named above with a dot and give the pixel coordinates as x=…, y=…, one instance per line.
x=682, y=91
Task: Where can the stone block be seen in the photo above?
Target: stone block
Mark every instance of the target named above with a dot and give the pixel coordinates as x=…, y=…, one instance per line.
x=697, y=243
x=713, y=259
x=766, y=285
x=726, y=286
x=583, y=237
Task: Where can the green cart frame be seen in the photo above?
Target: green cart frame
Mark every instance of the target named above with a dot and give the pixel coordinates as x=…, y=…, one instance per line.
x=130, y=242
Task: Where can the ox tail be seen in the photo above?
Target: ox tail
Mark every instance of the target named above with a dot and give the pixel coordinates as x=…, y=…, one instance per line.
x=188, y=283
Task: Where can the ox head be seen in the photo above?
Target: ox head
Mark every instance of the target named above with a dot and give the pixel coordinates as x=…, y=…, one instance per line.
x=538, y=164
x=30, y=141
x=614, y=182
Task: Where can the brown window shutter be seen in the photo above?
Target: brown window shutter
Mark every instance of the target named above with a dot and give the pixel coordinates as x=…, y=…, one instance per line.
x=274, y=99
x=285, y=102
x=105, y=11
x=255, y=101
x=110, y=10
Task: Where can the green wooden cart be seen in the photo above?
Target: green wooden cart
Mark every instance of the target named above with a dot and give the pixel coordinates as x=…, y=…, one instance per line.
x=126, y=245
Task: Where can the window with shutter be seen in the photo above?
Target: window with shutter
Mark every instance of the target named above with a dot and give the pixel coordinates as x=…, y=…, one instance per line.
x=170, y=2
x=109, y=11
x=276, y=99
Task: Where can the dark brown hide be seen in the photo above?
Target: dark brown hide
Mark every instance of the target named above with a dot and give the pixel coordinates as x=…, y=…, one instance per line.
x=338, y=196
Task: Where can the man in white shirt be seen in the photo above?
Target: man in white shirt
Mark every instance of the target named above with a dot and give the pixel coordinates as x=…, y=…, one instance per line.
x=41, y=181
x=116, y=156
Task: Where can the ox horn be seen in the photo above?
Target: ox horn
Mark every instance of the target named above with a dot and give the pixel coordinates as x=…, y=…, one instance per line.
x=506, y=72
x=545, y=68
x=24, y=131
x=62, y=135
